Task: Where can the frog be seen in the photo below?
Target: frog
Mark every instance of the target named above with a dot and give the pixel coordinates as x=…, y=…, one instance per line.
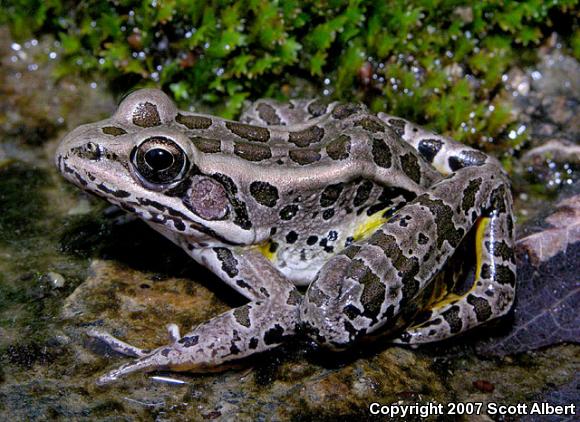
x=333, y=222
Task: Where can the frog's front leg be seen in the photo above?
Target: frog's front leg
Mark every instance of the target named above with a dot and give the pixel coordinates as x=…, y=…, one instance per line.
x=381, y=282
x=259, y=325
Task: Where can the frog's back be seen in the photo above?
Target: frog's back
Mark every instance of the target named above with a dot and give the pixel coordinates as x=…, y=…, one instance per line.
x=319, y=181
x=344, y=144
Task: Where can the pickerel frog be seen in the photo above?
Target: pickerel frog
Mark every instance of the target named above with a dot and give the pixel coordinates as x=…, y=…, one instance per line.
x=365, y=210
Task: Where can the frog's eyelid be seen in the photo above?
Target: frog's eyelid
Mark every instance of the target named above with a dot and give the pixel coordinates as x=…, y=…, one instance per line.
x=126, y=94
x=146, y=108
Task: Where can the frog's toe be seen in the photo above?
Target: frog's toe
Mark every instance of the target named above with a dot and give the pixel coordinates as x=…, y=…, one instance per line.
x=315, y=323
x=464, y=313
x=117, y=345
x=433, y=330
x=148, y=363
x=170, y=357
x=322, y=311
x=173, y=331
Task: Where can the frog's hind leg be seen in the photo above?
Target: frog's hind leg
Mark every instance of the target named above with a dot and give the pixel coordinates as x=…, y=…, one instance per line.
x=117, y=345
x=490, y=296
x=493, y=291
x=270, y=317
x=379, y=283
x=126, y=349
x=445, y=154
x=232, y=335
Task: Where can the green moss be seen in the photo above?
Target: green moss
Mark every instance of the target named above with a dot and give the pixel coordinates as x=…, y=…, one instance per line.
x=432, y=61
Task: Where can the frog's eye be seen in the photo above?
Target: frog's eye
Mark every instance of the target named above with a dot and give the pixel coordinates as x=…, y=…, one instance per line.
x=159, y=160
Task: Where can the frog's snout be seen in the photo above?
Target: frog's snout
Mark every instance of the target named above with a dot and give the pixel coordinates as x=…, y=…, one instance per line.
x=60, y=153
x=73, y=148
x=64, y=151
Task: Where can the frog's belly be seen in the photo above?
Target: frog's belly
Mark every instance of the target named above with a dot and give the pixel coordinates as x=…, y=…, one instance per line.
x=301, y=262
x=301, y=266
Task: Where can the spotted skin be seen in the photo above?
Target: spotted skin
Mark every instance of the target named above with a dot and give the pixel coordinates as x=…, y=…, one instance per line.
x=115, y=131
x=207, y=145
x=493, y=291
x=306, y=137
x=274, y=113
x=304, y=156
x=367, y=211
x=194, y=122
x=339, y=148
x=146, y=115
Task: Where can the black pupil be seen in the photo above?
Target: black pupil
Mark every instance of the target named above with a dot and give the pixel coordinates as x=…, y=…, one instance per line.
x=158, y=159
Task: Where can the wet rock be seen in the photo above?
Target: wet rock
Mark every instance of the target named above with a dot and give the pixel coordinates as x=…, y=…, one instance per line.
x=515, y=379
x=55, y=280
x=563, y=395
x=560, y=231
x=553, y=164
x=546, y=101
x=138, y=305
x=559, y=150
x=35, y=106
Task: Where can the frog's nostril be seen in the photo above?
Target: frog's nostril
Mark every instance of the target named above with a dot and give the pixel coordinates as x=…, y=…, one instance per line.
x=92, y=151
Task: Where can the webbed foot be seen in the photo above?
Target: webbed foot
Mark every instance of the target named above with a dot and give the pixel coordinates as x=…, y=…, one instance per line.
x=161, y=358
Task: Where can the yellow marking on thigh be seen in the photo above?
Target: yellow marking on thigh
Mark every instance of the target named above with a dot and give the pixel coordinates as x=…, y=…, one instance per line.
x=480, y=227
x=439, y=292
x=370, y=225
x=264, y=249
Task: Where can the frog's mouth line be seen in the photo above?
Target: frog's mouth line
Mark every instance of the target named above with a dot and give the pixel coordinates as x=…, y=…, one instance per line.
x=118, y=197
